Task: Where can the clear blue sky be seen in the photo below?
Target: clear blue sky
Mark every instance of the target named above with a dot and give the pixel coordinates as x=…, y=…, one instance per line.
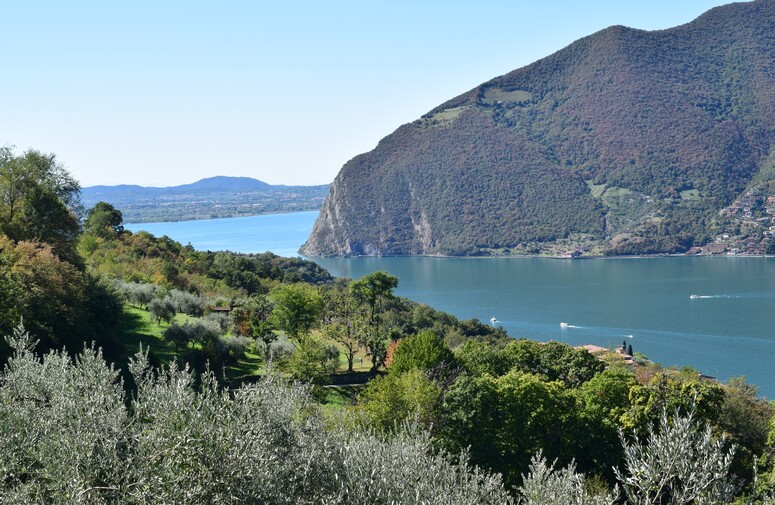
x=168, y=92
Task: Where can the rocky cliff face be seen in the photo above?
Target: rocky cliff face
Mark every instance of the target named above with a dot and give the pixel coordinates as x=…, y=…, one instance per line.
x=625, y=141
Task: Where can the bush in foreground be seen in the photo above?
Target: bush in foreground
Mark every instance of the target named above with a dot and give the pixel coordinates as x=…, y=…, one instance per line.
x=69, y=435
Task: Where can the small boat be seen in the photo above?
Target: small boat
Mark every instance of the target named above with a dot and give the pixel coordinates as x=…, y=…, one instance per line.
x=494, y=320
x=694, y=296
x=564, y=325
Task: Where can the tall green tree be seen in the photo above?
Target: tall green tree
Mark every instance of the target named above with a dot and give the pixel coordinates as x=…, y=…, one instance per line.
x=505, y=420
x=297, y=308
x=39, y=201
x=389, y=400
x=672, y=391
x=59, y=304
x=313, y=360
x=344, y=325
x=553, y=361
x=602, y=401
x=104, y=220
x=253, y=319
x=373, y=291
x=479, y=358
x=744, y=419
x=424, y=351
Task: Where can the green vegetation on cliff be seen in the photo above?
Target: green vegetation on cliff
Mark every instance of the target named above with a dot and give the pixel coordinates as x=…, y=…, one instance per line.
x=626, y=141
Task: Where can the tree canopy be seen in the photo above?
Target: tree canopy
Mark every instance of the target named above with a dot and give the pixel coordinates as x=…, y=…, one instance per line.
x=103, y=220
x=39, y=201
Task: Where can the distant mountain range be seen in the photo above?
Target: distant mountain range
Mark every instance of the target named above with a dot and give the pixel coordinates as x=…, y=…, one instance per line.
x=624, y=142
x=212, y=197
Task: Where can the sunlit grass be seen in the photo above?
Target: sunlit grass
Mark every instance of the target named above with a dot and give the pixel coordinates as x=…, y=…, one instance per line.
x=138, y=329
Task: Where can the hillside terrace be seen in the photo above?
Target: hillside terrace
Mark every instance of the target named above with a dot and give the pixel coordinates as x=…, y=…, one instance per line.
x=753, y=213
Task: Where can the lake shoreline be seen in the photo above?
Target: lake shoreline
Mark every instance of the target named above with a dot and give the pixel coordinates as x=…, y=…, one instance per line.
x=538, y=256
x=452, y=256
x=219, y=218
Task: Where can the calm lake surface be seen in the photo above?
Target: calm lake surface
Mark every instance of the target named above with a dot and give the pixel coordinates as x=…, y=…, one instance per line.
x=728, y=329
x=282, y=234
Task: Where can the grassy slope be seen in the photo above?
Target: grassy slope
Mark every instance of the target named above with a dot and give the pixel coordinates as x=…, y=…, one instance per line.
x=137, y=330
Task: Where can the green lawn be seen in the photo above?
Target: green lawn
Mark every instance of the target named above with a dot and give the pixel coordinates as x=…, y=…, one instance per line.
x=136, y=328
x=250, y=366
x=338, y=397
x=597, y=190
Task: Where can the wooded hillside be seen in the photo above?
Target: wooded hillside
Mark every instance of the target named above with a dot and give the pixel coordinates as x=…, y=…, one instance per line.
x=626, y=141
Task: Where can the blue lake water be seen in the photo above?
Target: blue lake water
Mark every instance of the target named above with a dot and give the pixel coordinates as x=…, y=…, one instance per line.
x=728, y=329
x=282, y=234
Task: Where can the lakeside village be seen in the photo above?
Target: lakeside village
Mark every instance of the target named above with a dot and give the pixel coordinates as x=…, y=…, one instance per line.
x=749, y=227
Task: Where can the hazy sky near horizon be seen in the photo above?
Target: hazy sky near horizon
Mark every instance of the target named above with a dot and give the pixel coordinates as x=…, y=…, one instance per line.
x=166, y=93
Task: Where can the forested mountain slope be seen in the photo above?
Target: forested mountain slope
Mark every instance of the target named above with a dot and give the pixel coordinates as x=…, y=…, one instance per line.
x=626, y=141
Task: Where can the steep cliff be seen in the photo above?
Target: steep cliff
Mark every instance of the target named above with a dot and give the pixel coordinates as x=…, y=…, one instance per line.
x=627, y=141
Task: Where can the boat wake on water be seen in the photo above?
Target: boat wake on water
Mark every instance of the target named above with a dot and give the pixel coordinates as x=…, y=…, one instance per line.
x=695, y=297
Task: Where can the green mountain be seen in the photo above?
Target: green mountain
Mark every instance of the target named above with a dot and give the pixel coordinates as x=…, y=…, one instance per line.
x=626, y=141
x=212, y=197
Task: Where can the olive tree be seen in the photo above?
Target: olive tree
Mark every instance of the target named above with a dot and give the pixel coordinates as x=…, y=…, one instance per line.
x=546, y=485
x=681, y=462
x=69, y=434
x=162, y=310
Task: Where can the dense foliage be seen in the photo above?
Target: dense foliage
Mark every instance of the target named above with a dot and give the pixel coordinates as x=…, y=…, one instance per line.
x=274, y=304
x=42, y=277
x=630, y=139
x=68, y=436
x=69, y=433
x=505, y=404
x=141, y=257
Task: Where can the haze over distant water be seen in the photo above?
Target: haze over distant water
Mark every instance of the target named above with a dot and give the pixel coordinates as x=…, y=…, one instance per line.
x=728, y=330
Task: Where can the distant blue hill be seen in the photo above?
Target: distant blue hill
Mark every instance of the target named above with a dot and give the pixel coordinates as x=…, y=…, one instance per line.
x=213, y=197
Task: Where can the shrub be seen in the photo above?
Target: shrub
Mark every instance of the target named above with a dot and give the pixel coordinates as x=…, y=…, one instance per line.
x=681, y=462
x=67, y=436
x=545, y=485
x=188, y=303
x=161, y=310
